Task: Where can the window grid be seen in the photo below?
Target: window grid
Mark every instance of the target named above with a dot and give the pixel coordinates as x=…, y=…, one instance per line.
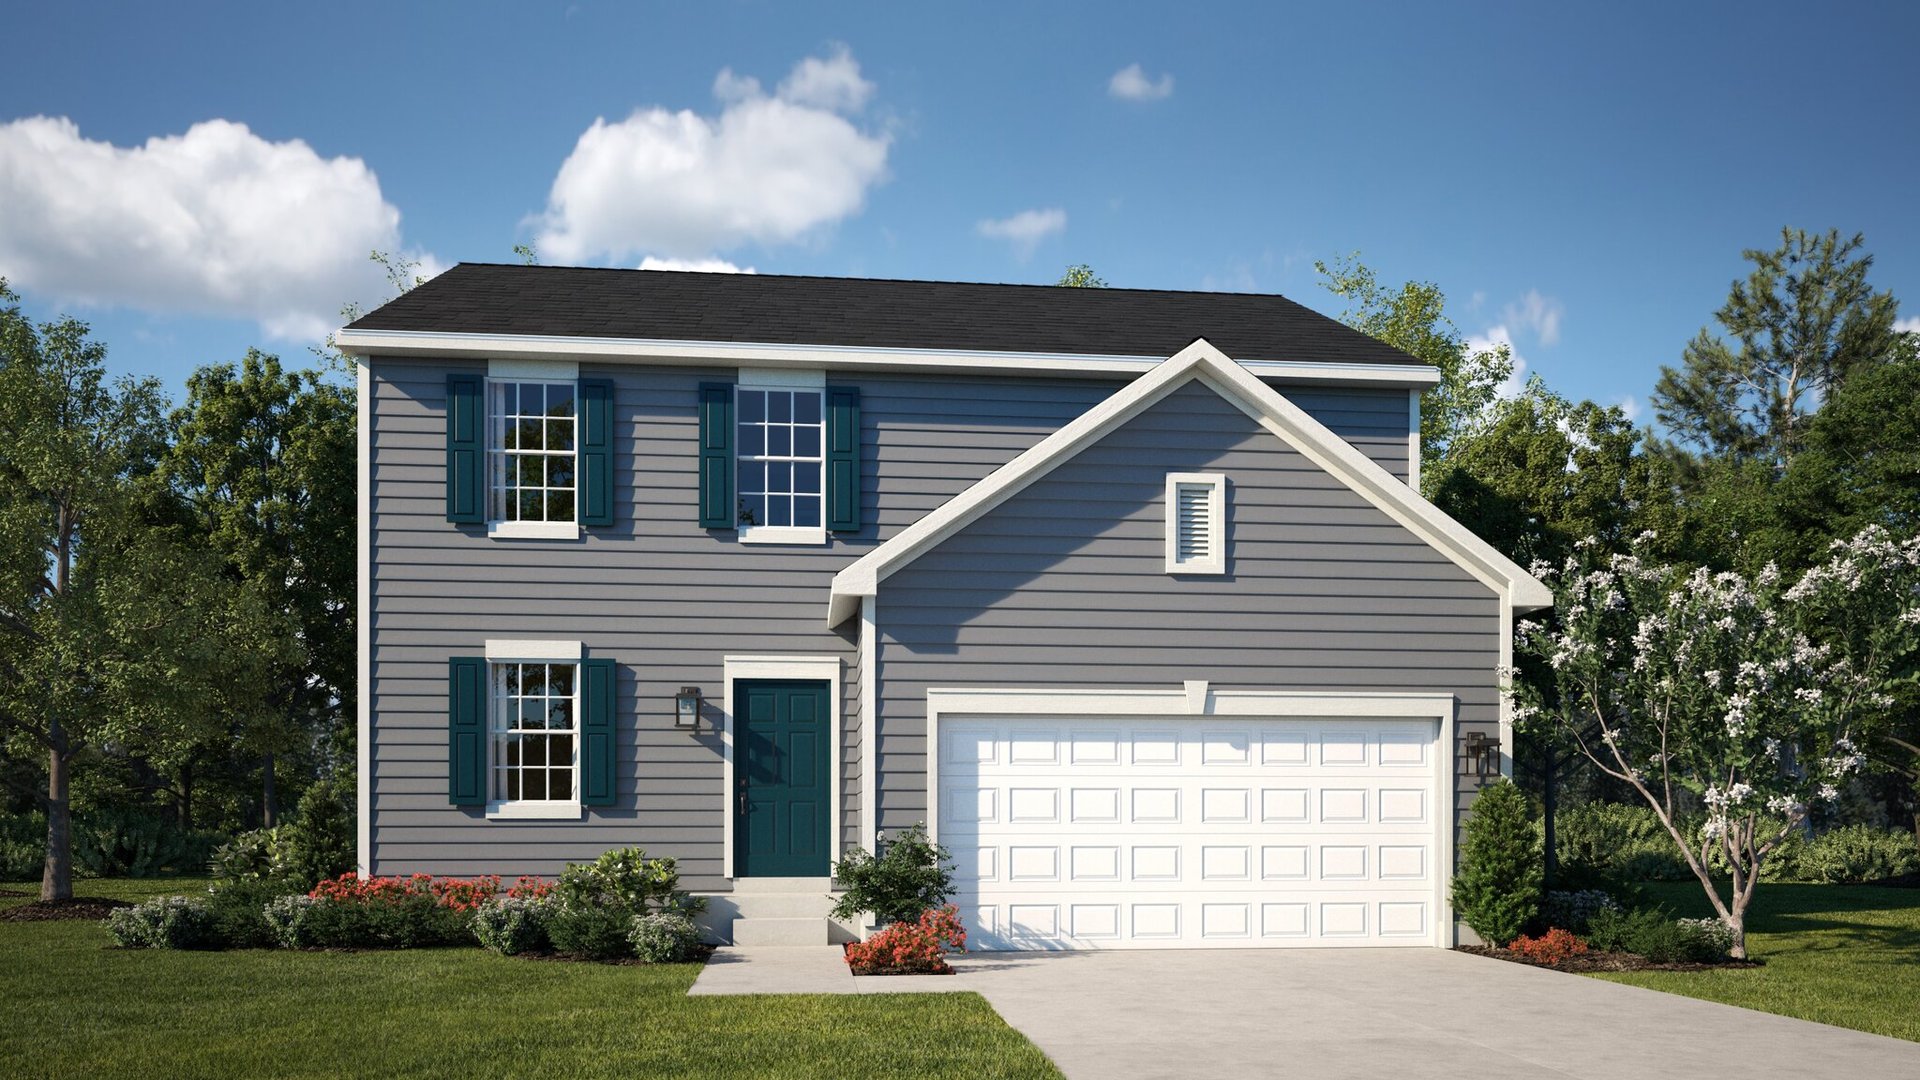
x=780, y=457
x=533, y=455
x=535, y=735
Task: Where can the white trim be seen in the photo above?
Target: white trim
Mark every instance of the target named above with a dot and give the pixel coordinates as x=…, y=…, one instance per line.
x=363, y=619
x=528, y=370
x=1216, y=560
x=815, y=535
x=1413, y=437
x=782, y=379
x=404, y=343
x=533, y=530
x=869, y=719
x=817, y=668
x=1061, y=701
x=1285, y=420
x=540, y=810
x=532, y=650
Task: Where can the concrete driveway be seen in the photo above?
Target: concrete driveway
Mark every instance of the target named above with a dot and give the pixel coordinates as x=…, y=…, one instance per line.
x=1399, y=1013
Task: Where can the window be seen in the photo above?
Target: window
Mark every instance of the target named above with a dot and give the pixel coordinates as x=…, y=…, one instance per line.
x=535, y=736
x=532, y=457
x=780, y=463
x=1196, y=523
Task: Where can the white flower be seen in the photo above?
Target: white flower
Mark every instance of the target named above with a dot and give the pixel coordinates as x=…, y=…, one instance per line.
x=1827, y=793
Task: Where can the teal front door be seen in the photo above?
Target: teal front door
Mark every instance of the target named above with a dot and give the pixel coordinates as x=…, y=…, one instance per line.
x=783, y=747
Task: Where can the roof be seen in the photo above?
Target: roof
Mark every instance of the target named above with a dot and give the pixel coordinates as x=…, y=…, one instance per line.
x=660, y=305
x=1292, y=425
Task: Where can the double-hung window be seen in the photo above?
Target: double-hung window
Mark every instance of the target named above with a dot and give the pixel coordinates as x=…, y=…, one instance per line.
x=533, y=463
x=780, y=463
x=535, y=738
x=531, y=730
x=530, y=450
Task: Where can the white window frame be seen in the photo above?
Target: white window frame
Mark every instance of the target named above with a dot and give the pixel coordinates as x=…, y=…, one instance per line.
x=1216, y=562
x=518, y=371
x=805, y=381
x=499, y=651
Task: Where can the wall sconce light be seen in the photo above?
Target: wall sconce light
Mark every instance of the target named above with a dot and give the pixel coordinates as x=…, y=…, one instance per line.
x=1484, y=751
x=686, y=708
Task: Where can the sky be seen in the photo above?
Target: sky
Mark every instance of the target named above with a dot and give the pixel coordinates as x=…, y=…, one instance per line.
x=1579, y=178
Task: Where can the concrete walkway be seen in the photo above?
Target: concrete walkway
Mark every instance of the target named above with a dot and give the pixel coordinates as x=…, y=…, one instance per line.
x=1361, y=1013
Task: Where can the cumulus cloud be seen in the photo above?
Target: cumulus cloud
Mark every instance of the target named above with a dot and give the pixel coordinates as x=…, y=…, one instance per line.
x=697, y=266
x=1130, y=83
x=215, y=221
x=1631, y=407
x=769, y=169
x=1495, y=337
x=1025, y=229
x=1908, y=326
x=1539, y=314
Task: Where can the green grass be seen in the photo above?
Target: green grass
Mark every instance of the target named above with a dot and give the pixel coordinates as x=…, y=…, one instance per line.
x=76, y=1006
x=1847, y=955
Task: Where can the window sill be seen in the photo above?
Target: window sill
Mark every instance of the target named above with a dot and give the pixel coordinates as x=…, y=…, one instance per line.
x=533, y=530
x=783, y=534
x=532, y=811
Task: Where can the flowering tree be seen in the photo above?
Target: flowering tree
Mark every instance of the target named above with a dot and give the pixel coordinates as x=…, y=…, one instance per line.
x=1752, y=697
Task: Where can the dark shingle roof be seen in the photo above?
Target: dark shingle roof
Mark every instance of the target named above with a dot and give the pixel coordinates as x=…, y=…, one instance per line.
x=675, y=306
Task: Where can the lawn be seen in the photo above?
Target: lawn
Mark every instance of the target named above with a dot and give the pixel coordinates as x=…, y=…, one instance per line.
x=75, y=1006
x=1839, y=954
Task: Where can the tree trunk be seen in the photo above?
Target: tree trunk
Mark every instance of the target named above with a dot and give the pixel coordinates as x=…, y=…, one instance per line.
x=186, y=796
x=1549, y=802
x=56, y=878
x=266, y=794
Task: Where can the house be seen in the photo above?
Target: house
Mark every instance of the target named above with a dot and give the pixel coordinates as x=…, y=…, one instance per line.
x=1128, y=594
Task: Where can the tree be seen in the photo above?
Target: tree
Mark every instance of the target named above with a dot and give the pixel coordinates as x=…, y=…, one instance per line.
x=1497, y=888
x=110, y=631
x=1714, y=684
x=262, y=459
x=1413, y=319
x=527, y=254
x=1802, y=322
x=1081, y=276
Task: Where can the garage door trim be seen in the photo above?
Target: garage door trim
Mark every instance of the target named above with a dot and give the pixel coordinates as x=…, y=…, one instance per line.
x=1197, y=701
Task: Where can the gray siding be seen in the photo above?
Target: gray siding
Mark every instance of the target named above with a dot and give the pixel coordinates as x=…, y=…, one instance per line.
x=1064, y=585
x=666, y=599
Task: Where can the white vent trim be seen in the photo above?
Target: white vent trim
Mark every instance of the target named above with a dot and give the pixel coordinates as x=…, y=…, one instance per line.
x=1196, y=523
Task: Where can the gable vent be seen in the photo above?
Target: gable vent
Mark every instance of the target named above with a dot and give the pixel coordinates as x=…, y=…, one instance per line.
x=1196, y=523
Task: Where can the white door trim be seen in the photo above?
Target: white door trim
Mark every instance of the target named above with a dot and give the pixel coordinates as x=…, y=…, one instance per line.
x=820, y=668
x=1175, y=704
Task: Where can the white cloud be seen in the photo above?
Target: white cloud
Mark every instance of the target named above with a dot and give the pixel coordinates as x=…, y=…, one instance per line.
x=1538, y=314
x=1908, y=326
x=1631, y=407
x=767, y=169
x=215, y=221
x=697, y=266
x=1130, y=83
x=1493, y=337
x=1025, y=229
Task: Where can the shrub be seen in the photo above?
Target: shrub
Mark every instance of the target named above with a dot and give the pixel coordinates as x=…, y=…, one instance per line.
x=300, y=922
x=165, y=922
x=625, y=878
x=371, y=913
x=1497, y=888
x=1574, y=910
x=1549, y=948
x=663, y=937
x=510, y=925
x=246, y=857
x=1657, y=936
x=917, y=947
x=319, y=842
x=911, y=875
x=238, y=910
x=590, y=931
x=1712, y=939
x=23, y=846
x=1859, y=853
x=120, y=842
x=1616, y=841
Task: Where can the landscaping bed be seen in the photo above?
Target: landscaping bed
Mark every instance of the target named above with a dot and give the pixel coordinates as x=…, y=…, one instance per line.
x=74, y=907
x=1593, y=961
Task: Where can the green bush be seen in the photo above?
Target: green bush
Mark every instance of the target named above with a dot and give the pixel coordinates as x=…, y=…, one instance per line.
x=165, y=922
x=1497, y=888
x=23, y=846
x=1854, y=854
x=663, y=938
x=909, y=876
x=319, y=842
x=590, y=931
x=239, y=912
x=510, y=925
x=135, y=843
x=412, y=922
x=1657, y=936
x=627, y=880
x=1575, y=910
x=1600, y=842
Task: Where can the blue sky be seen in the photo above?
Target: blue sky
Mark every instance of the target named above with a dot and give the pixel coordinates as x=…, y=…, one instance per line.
x=1580, y=178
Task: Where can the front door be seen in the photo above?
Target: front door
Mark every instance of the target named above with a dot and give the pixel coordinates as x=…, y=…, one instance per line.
x=783, y=742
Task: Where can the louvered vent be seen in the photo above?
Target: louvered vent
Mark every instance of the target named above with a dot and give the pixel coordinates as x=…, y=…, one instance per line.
x=1196, y=525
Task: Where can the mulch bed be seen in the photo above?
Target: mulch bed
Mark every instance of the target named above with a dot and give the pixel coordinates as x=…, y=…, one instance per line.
x=1602, y=961
x=14, y=892
x=77, y=907
x=698, y=955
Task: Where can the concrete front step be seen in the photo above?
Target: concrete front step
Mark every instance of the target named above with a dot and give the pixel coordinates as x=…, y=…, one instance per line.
x=751, y=932
x=780, y=905
x=819, y=885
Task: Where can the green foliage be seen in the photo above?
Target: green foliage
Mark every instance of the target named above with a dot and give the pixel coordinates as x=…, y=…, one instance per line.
x=511, y=925
x=1655, y=934
x=23, y=846
x=1081, y=276
x=319, y=843
x=1855, y=854
x=626, y=879
x=410, y=922
x=1575, y=910
x=1616, y=842
x=664, y=937
x=1497, y=887
x=590, y=931
x=238, y=910
x=247, y=857
x=135, y=843
x=165, y=922
x=910, y=875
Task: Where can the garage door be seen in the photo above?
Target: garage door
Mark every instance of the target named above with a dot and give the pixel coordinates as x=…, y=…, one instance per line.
x=1084, y=833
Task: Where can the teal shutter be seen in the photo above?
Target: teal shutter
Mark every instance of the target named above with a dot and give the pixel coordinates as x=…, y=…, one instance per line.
x=596, y=452
x=467, y=731
x=717, y=508
x=466, y=449
x=843, y=459
x=598, y=681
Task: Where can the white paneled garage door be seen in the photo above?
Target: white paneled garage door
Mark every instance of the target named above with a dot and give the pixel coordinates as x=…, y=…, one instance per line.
x=1199, y=831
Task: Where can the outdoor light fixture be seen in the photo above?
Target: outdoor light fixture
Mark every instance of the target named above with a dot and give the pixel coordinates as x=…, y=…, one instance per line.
x=686, y=708
x=1484, y=751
